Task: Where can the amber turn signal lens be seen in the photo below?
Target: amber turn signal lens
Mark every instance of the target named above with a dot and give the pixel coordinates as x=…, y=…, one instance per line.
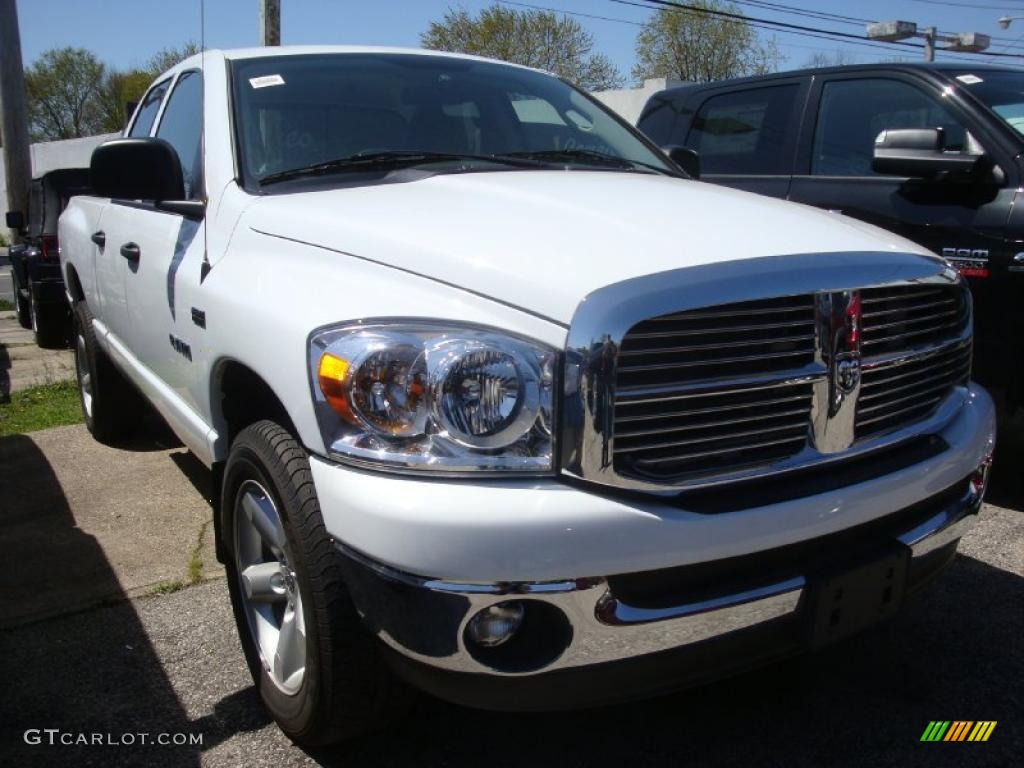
x=331, y=374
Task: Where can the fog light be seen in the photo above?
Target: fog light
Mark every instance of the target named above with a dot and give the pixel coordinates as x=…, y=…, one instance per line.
x=496, y=624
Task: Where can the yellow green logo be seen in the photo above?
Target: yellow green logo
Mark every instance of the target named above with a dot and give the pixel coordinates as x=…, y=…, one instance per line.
x=958, y=730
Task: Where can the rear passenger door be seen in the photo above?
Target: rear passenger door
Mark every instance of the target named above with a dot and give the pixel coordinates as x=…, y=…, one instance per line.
x=746, y=136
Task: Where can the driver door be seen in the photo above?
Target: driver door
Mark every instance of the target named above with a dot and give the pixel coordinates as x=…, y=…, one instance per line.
x=846, y=114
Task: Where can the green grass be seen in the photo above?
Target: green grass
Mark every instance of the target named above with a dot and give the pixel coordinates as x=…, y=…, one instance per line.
x=167, y=587
x=50, y=405
x=6, y=306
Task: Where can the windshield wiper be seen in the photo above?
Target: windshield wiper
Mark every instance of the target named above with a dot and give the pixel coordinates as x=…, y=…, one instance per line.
x=389, y=160
x=586, y=156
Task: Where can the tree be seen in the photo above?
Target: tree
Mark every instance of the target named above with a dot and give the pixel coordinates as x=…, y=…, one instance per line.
x=120, y=91
x=62, y=87
x=700, y=47
x=166, y=58
x=532, y=38
x=837, y=58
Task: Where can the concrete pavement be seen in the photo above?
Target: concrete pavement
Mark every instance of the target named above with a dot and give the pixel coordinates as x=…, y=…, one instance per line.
x=6, y=283
x=23, y=364
x=82, y=523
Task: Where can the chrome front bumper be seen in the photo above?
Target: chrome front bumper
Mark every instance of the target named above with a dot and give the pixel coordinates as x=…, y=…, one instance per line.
x=424, y=620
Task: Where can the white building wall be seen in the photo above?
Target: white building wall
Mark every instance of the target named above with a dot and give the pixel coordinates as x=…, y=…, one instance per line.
x=629, y=102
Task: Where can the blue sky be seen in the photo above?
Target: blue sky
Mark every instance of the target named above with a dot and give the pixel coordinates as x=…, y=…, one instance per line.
x=126, y=32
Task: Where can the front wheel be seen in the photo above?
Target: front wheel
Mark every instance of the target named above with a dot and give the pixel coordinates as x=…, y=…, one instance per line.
x=317, y=669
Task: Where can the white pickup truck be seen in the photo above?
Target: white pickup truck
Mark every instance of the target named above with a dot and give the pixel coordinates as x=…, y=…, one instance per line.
x=498, y=401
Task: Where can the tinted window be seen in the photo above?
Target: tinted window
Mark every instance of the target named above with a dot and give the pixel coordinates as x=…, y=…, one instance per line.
x=293, y=111
x=147, y=112
x=182, y=125
x=745, y=131
x=854, y=112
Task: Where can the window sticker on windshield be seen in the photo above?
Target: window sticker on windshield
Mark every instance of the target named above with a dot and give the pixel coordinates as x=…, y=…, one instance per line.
x=969, y=79
x=265, y=81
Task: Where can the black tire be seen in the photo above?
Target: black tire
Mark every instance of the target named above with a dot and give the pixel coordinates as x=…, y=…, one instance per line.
x=346, y=689
x=21, y=303
x=48, y=323
x=114, y=408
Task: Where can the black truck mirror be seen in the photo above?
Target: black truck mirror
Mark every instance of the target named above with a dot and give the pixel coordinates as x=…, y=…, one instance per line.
x=15, y=220
x=919, y=153
x=685, y=158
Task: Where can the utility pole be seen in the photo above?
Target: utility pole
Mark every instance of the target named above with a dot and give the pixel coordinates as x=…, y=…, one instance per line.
x=929, y=43
x=17, y=159
x=270, y=22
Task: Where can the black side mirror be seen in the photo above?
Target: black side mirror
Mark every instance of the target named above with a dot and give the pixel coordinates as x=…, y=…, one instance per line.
x=137, y=169
x=685, y=158
x=920, y=153
x=15, y=220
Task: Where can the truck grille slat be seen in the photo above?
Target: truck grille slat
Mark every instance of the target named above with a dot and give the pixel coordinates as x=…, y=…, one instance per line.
x=731, y=408
x=751, y=450
x=724, y=347
x=895, y=394
x=809, y=339
x=898, y=316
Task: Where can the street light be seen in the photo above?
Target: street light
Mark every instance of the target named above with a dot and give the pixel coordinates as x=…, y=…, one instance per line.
x=1004, y=22
x=965, y=42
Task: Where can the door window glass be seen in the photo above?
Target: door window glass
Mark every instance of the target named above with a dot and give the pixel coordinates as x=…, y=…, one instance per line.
x=745, y=132
x=853, y=112
x=147, y=112
x=181, y=126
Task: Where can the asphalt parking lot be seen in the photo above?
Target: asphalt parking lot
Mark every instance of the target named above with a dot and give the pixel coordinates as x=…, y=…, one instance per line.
x=91, y=642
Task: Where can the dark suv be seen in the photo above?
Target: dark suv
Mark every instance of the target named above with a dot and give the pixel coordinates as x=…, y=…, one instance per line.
x=933, y=152
x=35, y=262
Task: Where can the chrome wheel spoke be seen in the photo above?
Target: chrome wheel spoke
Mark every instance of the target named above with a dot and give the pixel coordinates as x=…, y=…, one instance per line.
x=290, y=656
x=268, y=588
x=261, y=513
x=264, y=583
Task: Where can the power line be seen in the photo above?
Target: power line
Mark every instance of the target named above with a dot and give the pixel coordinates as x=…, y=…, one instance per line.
x=973, y=6
x=780, y=25
x=863, y=43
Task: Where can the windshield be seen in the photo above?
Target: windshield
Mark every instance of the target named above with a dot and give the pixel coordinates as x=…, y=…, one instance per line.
x=297, y=112
x=1001, y=91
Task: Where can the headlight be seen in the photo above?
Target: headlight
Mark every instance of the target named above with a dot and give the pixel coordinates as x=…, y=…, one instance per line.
x=433, y=396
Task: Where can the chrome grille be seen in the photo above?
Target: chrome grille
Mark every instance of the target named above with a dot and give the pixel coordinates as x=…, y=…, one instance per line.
x=898, y=388
x=667, y=424
x=898, y=318
x=752, y=337
x=701, y=376
x=895, y=394
x=665, y=436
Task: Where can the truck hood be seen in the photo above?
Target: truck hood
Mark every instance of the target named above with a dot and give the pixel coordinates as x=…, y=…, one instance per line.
x=543, y=240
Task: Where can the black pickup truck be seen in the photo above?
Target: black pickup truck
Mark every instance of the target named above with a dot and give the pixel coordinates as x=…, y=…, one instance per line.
x=35, y=262
x=933, y=152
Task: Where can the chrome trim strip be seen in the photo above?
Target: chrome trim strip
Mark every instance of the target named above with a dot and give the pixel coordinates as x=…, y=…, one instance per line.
x=944, y=527
x=616, y=613
x=604, y=317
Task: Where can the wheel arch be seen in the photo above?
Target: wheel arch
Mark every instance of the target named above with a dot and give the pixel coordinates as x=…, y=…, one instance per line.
x=73, y=284
x=239, y=396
